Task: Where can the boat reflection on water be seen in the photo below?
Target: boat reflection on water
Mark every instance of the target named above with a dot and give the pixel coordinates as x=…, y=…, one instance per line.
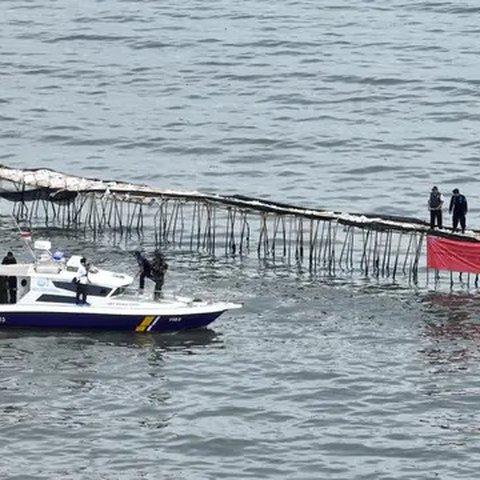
x=84, y=357
x=181, y=340
x=186, y=340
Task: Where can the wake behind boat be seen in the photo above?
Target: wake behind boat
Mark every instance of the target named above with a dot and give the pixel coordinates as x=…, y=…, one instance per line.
x=46, y=298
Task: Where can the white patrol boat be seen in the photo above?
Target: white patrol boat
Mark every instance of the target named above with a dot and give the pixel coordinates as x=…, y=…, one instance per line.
x=46, y=299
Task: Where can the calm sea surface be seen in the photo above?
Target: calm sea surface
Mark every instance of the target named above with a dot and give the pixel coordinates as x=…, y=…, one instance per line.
x=351, y=105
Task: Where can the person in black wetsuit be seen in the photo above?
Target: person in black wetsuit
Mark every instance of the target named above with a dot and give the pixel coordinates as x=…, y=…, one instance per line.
x=435, y=204
x=10, y=259
x=459, y=208
x=145, y=269
x=154, y=270
x=159, y=267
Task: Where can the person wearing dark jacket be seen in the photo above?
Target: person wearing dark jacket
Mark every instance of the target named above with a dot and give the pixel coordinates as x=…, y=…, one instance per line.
x=145, y=268
x=459, y=208
x=159, y=267
x=154, y=270
x=435, y=204
x=10, y=259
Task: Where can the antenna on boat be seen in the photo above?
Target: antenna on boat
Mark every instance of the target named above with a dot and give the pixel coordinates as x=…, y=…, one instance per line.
x=26, y=236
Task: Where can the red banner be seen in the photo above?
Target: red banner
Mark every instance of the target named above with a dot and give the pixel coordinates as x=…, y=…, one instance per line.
x=453, y=255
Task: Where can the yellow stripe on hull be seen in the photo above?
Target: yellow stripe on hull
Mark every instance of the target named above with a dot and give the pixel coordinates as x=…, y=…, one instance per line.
x=144, y=324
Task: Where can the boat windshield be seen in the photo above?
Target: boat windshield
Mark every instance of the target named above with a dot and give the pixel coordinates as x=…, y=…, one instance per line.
x=118, y=291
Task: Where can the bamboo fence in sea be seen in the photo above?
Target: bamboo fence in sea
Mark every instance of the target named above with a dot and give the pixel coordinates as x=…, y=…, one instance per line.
x=326, y=243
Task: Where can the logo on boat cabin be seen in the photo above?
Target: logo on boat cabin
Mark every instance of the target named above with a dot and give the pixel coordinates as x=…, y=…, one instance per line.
x=42, y=282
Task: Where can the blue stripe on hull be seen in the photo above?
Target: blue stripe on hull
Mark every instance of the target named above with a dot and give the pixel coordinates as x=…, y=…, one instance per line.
x=87, y=321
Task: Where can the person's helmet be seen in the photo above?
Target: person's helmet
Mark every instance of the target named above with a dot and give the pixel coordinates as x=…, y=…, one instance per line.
x=456, y=190
x=83, y=260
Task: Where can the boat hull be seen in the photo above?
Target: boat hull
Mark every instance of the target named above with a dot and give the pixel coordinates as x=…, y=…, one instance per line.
x=85, y=320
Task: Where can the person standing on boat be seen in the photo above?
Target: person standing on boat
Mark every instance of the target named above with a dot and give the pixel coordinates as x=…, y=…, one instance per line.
x=145, y=269
x=459, y=207
x=10, y=259
x=82, y=282
x=435, y=205
x=159, y=267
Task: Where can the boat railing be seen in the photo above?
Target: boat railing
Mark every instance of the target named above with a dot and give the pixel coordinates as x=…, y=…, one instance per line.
x=137, y=294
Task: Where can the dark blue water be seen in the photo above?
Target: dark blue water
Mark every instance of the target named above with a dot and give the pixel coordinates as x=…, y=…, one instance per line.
x=349, y=105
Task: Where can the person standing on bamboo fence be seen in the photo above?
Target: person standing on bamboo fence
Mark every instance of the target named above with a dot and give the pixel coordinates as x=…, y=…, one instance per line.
x=435, y=205
x=459, y=208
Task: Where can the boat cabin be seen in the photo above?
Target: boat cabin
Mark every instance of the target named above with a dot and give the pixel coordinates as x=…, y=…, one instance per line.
x=50, y=278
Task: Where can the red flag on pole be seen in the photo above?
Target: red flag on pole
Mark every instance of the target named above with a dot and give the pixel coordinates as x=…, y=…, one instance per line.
x=453, y=255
